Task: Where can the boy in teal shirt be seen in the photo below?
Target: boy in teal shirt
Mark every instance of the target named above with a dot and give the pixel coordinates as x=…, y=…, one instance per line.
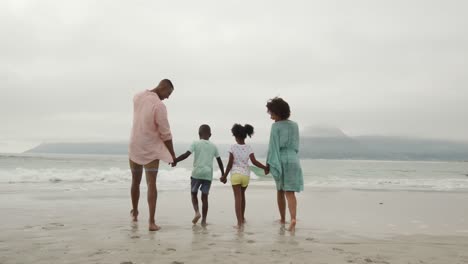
x=202, y=174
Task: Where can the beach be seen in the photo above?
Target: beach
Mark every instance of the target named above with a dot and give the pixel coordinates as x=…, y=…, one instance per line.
x=359, y=105
x=50, y=223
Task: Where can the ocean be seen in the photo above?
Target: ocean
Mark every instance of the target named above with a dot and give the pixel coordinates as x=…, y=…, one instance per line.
x=99, y=171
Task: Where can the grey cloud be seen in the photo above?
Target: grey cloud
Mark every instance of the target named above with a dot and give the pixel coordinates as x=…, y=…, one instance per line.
x=368, y=67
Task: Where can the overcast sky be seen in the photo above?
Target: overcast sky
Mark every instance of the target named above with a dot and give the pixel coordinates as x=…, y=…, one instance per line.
x=69, y=69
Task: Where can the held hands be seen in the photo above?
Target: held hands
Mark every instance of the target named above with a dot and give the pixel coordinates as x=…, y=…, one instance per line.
x=223, y=179
x=267, y=169
x=174, y=162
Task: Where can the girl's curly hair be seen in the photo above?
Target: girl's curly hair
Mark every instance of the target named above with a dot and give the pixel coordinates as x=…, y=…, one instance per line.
x=242, y=132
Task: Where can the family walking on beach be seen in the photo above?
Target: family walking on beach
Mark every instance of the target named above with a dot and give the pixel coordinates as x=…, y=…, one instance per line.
x=151, y=141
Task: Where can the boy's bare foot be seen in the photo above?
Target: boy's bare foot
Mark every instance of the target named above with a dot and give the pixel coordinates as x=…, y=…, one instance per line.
x=154, y=227
x=196, y=218
x=292, y=226
x=134, y=215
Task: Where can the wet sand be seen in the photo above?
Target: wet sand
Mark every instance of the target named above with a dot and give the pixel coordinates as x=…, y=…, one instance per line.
x=51, y=224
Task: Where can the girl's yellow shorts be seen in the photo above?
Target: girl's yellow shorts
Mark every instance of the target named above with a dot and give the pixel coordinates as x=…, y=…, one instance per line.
x=238, y=178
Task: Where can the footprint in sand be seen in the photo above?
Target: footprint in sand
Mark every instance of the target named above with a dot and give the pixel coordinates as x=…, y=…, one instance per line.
x=99, y=252
x=250, y=241
x=177, y=262
x=338, y=249
x=134, y=237
x=171, y=249
x=369, y=260
x=310, y=239
x=53, y=226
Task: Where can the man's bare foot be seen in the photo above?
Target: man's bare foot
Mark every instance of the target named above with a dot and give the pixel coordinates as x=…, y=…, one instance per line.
x=154, y=227
x=203, y=223
x=292, y=226
x=134, y=215
x=196, y=218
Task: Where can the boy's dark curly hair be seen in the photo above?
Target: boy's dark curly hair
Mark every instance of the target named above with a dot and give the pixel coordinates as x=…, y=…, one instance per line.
x=242, y=132
x=279, y=107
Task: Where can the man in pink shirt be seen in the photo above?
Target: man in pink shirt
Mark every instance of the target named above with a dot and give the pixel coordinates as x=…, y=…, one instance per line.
x=150, y=142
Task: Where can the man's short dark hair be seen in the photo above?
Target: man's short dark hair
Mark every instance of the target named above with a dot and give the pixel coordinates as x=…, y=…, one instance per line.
x=279, y=107
x=167, y=82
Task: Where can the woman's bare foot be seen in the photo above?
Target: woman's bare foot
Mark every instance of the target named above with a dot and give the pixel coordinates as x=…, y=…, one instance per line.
x=154, y=227
x=292, y=225
x=134, y=215
x=244, y=221
x=238, y=226
x=281, y=222
x=196, y=218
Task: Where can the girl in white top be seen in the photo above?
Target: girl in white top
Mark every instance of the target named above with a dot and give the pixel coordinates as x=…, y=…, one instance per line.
x=238, y=165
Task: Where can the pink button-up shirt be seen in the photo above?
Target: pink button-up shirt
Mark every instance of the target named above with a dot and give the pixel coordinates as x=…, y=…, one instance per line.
x=150, y=129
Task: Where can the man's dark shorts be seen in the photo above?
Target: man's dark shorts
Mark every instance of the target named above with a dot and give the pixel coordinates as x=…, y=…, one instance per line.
x=202, y=185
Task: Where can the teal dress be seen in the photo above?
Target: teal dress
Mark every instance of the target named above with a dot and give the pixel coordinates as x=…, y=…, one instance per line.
x=283, y=156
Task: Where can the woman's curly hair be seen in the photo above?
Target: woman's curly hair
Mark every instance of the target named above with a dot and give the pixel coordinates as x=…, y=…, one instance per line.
x=279, y=107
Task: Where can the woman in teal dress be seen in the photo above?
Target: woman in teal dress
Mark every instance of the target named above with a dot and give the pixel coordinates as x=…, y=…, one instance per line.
x=283, y=161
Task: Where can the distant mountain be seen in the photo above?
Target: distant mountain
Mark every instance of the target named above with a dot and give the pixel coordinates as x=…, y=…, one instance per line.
x=322, y=132
x=327, y=143
x=315, y=144
x=121, y=148
x=114, y=148
x=411, y=149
